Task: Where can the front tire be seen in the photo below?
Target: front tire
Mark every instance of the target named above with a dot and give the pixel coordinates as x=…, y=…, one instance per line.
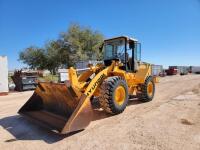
x=147, y=91
x=114, y=95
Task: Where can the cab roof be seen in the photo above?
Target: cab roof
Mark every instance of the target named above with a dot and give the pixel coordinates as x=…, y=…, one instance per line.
x=118, y=37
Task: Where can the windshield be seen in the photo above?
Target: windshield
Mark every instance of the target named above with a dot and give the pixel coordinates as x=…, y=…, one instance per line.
x=114, y=49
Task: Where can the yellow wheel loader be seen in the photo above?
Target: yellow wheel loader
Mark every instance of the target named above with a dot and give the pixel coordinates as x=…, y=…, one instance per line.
x=67, y=107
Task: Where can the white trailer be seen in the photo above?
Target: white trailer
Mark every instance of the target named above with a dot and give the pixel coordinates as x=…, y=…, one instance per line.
x=157, y=70
x=195, y=69
x=63, y=74
x=3, y=75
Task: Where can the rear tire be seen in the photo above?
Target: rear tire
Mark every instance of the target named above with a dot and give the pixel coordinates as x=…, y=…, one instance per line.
x=114, y=95
x=147, y=91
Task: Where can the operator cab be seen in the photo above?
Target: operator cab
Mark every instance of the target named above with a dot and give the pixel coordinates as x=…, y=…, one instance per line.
x=123, y=49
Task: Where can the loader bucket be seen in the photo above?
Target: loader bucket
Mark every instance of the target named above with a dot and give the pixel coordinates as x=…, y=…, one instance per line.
x=58, y=107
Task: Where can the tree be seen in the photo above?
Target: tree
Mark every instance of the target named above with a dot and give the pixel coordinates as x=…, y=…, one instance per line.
x=53, y=57
x=34, y=57
x=84, y=42
x=77, y=43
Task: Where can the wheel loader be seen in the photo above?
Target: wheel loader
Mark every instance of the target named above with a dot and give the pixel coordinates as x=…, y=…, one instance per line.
x=67, y=107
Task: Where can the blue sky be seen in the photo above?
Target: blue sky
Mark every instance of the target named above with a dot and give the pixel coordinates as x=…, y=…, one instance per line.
x=169, y=30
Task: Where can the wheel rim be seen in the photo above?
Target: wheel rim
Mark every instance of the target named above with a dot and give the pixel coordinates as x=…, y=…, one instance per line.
x=150, y=89
x=120, y=95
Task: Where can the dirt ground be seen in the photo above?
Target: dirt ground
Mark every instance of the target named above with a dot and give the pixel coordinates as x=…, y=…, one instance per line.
x=170, y=121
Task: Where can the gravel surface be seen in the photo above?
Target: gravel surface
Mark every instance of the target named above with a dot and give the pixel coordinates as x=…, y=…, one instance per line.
x=171, y=121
